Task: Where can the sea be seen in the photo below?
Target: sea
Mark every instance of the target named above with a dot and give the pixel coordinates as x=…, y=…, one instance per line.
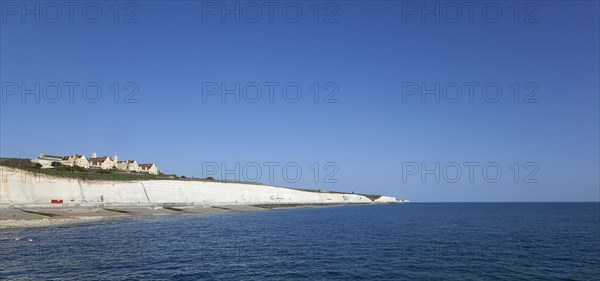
x=415, y=241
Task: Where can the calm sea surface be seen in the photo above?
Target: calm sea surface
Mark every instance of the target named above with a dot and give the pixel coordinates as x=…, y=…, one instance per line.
x=461, y=241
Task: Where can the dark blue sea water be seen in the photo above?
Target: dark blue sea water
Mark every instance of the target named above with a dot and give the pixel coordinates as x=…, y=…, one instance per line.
x=460, y=241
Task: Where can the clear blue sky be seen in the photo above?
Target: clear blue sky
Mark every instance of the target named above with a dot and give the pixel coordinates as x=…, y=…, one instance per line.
x=369, y=51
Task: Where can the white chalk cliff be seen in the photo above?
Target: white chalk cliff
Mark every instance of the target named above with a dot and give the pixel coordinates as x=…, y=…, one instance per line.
x=22, y=187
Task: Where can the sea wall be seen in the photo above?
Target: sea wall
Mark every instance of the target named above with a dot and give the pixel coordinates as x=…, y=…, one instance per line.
x=21, y=187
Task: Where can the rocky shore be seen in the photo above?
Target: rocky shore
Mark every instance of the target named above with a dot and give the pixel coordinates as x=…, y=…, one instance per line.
x=27, y=217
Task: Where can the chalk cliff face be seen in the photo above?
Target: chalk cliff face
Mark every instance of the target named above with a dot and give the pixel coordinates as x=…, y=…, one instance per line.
x=21, y=187
x=385, y=199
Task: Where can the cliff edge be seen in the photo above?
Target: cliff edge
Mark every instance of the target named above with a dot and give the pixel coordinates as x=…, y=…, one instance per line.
x=23, y=187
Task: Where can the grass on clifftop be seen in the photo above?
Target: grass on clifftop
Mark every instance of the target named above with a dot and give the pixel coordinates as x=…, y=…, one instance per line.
x=77, y=172
x=95, y=174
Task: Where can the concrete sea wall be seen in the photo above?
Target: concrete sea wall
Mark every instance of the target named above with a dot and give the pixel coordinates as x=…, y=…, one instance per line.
x=21, y=187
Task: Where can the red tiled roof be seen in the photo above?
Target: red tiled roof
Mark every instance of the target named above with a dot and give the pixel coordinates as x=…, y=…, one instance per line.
x=96, y=161
x=146, y=166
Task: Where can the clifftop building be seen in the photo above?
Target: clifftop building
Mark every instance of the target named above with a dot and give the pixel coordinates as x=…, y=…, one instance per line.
x=95, y=162
x=128, y=165
x=103, y=163
x=149, y=168
x=75, y=160
x=47, y=160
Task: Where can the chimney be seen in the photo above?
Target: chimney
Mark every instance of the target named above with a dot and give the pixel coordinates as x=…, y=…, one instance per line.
x=93, y=154
x=115, y=159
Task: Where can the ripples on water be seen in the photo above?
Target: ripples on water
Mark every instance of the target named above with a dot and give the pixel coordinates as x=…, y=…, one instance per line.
x=386, y=242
